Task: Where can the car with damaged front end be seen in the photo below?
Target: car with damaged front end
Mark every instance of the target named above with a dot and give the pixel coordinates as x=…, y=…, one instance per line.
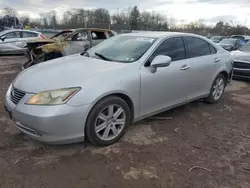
x=65, y=43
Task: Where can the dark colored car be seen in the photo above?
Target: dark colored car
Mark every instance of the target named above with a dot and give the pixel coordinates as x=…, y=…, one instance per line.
x=230, y=44
x=241, y=68
x=217, y=39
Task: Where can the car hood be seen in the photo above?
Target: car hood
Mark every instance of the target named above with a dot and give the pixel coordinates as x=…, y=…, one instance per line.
x=41, y=40
x=68, y=71
x=241, y=56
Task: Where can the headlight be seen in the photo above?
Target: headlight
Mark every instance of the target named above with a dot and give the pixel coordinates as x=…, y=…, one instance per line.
x=53, y=97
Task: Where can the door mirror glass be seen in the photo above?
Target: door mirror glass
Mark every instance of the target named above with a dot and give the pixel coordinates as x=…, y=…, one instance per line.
x=2, y=38
x=161, y=61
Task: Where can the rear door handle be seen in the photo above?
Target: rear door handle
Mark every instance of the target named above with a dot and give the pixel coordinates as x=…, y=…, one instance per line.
x=216, y=60
x=185, y=67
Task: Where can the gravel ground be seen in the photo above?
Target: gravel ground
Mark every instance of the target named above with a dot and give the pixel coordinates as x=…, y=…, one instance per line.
x=193, y=146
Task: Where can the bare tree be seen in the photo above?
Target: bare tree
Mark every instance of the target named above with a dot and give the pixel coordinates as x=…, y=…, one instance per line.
x=11, y=12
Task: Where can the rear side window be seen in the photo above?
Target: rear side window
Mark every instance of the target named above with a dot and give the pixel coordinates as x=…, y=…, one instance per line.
x=29, y=34
x=212, y=49
x=173, y=48
x=197, y=47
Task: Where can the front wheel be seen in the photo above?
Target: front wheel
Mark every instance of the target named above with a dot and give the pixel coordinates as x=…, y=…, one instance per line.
x=108, y=121
x=217, y=89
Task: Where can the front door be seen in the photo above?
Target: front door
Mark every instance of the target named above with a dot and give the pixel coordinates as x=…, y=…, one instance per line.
x=12, y=37
x=76, y=42
x=167, y=86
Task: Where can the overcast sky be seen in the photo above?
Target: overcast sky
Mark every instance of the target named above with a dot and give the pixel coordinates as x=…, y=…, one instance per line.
x=210, y=10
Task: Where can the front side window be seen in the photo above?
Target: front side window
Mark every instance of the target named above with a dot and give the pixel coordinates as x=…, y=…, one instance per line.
x=125, y=49
x=79, y=36
x=12, y=35
x=173, y=48
x=197, y=47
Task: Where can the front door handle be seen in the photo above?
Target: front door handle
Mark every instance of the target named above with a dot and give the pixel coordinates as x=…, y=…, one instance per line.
x=216, y=60
x=185, y=67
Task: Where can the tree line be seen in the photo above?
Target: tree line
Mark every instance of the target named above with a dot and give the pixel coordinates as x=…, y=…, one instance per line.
x=130, y=19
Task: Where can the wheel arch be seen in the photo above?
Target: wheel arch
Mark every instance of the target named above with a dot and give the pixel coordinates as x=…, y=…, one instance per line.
x=121, y=95
x=225, y=74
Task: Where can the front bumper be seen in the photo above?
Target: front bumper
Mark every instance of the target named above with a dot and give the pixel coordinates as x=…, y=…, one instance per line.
x=31, y=59
x=241, y=73
x=59, y=124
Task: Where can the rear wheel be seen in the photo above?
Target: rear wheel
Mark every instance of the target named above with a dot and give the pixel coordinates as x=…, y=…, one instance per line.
x=108, y=121
x=217, y=89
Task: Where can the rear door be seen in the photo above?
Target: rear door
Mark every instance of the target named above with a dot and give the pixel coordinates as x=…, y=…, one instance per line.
x=26, y=35
x=202, y=63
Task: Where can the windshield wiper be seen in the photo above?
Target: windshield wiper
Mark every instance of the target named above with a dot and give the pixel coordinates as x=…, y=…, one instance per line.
x=102, y=56
x=85, y=53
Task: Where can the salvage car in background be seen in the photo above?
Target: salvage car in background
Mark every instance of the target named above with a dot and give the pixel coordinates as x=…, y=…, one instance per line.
x=217, y=39
x=14, y=41
x=76, y=42
x=241, y=68
x=126, y=78
x=230, y=44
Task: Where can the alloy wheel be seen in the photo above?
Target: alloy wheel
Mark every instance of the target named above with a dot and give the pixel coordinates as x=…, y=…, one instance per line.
x=110, y=122
x=218, y=88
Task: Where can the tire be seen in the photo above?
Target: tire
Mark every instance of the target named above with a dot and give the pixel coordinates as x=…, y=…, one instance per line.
x=213, y=99
x=104, y=129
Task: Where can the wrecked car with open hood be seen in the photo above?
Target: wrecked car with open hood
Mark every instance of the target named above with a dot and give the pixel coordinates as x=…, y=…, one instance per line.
x=67, y=42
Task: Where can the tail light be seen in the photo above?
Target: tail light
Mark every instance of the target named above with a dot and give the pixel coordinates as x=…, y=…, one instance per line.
x=42, y=36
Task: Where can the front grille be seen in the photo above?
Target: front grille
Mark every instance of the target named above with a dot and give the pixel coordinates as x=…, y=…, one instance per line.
x=241, y=65
x=16, y=95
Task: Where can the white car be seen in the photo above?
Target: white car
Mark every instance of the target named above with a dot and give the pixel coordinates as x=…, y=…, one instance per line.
x=14, y=41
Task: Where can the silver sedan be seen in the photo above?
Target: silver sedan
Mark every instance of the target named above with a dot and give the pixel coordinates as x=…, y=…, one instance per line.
x=14, y=41
x=99, y=93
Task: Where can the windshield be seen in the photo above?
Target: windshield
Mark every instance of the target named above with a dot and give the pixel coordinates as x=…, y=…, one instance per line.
x=245, y=48
x=228, y=41
x=122, y=48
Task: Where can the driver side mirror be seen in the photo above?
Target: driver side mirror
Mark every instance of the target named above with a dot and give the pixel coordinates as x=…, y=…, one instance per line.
x=3, y=38
x=160, y=61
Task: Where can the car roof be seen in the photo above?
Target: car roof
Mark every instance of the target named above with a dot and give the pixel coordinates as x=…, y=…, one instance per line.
x=161, y=34
x=13, y=30
x=92, y=29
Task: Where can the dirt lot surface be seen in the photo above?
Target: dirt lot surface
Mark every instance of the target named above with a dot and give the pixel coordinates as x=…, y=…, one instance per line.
x=193, y=146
